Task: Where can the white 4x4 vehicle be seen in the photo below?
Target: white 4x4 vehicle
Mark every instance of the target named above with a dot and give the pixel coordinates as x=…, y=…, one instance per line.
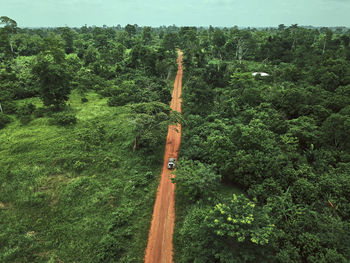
x=171, y=163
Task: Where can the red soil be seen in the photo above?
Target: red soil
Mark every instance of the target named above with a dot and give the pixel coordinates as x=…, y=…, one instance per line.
x=160, y=239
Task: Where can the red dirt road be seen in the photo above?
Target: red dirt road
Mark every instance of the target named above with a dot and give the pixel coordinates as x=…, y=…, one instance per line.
x=160, y=239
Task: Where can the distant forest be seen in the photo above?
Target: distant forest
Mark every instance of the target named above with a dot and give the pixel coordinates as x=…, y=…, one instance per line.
x=264, y=167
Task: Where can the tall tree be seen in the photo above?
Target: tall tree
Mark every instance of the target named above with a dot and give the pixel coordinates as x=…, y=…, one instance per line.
x=68, y=37
x=10, y=28
x=131, y=30
x=52, y=73
x=147, y=35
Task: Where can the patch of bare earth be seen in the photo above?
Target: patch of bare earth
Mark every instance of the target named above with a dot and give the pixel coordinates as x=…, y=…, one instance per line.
x=160, y=246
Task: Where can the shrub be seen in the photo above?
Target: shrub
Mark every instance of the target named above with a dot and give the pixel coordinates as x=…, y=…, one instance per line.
x=25, y=119
x=119, y=100
x=113, y=245
x=9, y=107
x=79, y=165
x=63, y=119
x=4, y=120
x=26, y=109
x=92, y=136
x=39, y=112
x=141, y=180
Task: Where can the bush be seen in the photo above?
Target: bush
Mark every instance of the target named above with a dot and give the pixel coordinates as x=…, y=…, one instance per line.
x=141, y=180
x=119, y=100
x=25, y=119
x=39, y=112
x=79, y=165
x=63, y=119
x=4, y=120
x=113, y=245
x=26, y=109
x=9, y=107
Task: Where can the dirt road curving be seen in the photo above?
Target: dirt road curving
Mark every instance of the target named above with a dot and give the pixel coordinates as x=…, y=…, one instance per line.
x=160, y=239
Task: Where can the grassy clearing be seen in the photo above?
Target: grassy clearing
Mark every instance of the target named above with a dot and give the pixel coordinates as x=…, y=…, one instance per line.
x=75, y=193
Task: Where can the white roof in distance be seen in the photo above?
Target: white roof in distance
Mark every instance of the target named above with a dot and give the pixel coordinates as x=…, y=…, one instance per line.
x=262, y=74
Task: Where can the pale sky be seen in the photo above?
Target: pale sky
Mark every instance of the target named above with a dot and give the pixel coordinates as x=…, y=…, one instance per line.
x=253, y=13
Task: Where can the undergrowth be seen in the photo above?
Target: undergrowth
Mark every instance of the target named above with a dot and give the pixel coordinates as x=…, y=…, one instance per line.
x=78, y=192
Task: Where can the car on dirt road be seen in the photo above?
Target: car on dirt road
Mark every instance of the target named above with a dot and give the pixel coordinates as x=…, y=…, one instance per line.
x=171, y=163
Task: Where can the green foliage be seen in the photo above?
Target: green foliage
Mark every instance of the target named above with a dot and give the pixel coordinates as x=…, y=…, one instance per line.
x=195, y=181
x=335, y=129
x=204, y=245
x=147, y=34
x=4, y=120
x=26, y=109
x=39, y=112
x=66, y=192
x=9, y=107
x=91, y=55
x=281, y=139
x=194, y=233
x=198, y=94
x=10, y=28
x=113, y=245
x=54, y=80
x=25, y=86
x=63, y=190
x=141, y=89
x=63, y=119
x=68, y=36
x=130, y=29
x=239, y=219
x=170, y=41
x=149, y=125
x=25, y=119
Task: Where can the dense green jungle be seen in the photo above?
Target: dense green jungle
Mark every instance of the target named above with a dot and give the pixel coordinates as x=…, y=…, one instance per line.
x=264, y=167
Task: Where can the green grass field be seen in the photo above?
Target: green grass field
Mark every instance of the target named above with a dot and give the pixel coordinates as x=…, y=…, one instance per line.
x=76, y=193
